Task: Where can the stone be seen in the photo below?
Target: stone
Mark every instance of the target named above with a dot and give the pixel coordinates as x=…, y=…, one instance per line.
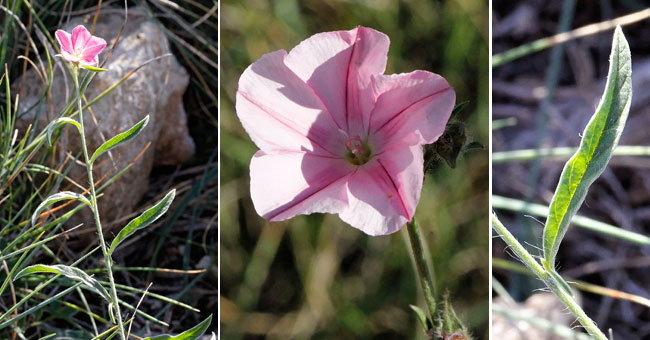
x=155, y=90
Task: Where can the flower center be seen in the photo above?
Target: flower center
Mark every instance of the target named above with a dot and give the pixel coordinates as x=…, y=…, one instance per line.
x=358, y=152
x=76, y=54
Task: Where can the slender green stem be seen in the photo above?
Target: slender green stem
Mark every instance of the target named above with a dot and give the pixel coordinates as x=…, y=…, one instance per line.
x=421, y=267
x=548, y=278
x=95, y=208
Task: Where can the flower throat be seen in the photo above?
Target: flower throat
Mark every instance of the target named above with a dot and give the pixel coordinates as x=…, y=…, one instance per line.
x=358, y=151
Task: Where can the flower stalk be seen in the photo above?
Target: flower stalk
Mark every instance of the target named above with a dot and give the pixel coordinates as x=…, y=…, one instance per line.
x=95, y=208
x=421, y=267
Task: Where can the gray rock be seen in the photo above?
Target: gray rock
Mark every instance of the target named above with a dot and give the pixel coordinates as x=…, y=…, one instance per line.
x=155, y=90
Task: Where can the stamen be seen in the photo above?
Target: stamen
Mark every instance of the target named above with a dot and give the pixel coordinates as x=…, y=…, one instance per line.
x=355, y=145
x=358, y=151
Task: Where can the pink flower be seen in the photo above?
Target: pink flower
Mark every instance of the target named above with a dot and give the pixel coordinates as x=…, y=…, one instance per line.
x=80, y=47
x=336, y=135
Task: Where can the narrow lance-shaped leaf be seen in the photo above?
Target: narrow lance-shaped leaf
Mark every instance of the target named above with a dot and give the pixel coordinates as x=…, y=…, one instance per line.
x=145, y=219
x=60, y=196
x=69, y=272
x=111, y=312
x=599, y=139
x=120, y=139
x=422, y=317
x=58, y=123
x=93, y=68
x=190, y=334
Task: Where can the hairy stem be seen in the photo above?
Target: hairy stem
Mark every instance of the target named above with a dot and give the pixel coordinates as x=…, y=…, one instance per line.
x=95, y=208
x=421, y=266
x=552, y=283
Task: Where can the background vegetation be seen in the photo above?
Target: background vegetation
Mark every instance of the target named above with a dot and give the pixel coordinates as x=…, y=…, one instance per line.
x=178, y=254
x=313, y=277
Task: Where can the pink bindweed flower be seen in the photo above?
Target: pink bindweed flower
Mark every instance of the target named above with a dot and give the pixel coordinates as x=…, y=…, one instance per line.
x=80, y=47
x=336, y=135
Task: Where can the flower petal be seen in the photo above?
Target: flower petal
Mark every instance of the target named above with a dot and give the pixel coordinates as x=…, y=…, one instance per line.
x=338, y=66
x=417, y=103
x=69, y=57
x=80, y=36
x=280, y=112
x=91, y=62
x=384, y=193
x=93, y=47
x=287, y=184
x=65, y=43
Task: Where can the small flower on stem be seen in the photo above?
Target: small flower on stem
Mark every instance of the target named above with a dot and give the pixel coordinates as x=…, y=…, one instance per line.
x=80, y=48
x=336, y=135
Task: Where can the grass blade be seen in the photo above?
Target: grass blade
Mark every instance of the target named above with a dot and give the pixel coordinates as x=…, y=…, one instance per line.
x=37, y=307
x=599, y=139
x=500, y=202
x=498, y=263
x=190, y=334
x=561, y=152
x=32, y=246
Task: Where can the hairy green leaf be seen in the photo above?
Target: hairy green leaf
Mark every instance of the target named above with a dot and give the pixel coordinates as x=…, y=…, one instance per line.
x=190, y=334
x=121, y=138
x=599, y=139
x=60, y=196
x=69, y=272
x=58, y=123
x=145, y=219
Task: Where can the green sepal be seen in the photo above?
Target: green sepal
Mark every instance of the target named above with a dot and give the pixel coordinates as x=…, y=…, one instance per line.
x=452, y=327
